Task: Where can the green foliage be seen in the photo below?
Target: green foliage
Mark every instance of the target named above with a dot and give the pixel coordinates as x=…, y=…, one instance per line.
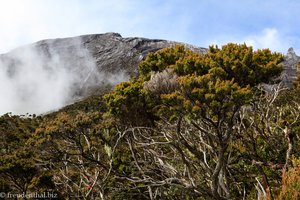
x=209, y=92
x=129, y=103
x=163, y=59
x=238, y=62
x=17, y=159
x=121, y=146
x=245, y=66
x=214, y=81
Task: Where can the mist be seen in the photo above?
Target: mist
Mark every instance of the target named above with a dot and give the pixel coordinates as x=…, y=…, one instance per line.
x=48, y=75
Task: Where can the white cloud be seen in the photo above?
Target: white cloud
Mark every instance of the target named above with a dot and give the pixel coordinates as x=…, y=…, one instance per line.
x=268, y=38
x=271, y=38
x=27, y=21
x=35, y=80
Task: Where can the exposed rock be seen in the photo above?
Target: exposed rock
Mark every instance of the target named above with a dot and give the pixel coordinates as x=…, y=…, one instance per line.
x=290, y=67
x=111, y=51
x=114, y=56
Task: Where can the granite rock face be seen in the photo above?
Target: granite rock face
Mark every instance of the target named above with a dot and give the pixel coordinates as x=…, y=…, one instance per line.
x=111, y=52
x=94, y=60
x=290, y=67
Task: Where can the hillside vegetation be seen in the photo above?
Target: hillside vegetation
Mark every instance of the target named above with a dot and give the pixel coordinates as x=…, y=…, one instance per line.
x=190, y=126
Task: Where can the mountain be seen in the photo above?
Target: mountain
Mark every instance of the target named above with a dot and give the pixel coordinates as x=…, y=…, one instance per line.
x=110, y=52
x=68, y=69
x=290, y=67
x=52, y=73
x=214, y=138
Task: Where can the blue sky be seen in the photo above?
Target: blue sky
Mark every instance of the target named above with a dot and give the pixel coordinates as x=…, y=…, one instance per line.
x=270, y=24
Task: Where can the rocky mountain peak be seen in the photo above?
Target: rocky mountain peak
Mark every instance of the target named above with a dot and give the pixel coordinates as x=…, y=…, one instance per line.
x=290, y=71
x=291, y=55
x=51, y=73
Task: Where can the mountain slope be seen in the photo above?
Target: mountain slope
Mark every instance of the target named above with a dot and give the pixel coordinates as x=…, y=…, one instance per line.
x=50, y=74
